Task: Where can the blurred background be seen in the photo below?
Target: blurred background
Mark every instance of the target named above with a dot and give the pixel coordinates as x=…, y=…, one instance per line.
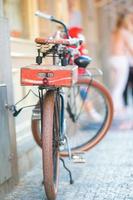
x=19, y=27
x=96, y=17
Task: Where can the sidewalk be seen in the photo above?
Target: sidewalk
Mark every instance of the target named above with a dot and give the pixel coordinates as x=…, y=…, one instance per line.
x=106, y=175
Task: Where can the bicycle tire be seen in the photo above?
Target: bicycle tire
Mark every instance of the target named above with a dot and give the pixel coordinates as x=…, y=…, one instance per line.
x=50, y=145
x=101, y=132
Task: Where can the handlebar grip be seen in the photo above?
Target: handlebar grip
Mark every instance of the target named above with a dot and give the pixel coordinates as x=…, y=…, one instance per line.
x=44, y=15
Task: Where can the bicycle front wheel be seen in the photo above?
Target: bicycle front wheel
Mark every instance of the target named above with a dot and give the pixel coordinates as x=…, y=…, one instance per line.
x=50, y=144
x=90, y=113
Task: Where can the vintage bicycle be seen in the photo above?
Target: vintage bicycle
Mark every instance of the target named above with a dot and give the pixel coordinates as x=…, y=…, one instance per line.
x=74, y=111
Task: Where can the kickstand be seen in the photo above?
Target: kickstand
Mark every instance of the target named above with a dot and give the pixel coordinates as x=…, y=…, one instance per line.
x=70, y=173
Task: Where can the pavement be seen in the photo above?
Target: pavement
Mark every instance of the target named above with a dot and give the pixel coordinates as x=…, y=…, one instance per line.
x=107, y=173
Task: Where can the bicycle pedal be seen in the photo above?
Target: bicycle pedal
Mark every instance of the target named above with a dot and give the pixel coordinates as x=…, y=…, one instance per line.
x=79, y=157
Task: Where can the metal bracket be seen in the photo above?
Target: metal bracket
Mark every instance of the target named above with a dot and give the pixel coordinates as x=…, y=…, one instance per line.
x=78, y=157
x=10, y=107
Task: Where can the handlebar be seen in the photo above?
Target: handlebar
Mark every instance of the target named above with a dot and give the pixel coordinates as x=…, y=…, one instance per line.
x=44, y=15
x=51, y=18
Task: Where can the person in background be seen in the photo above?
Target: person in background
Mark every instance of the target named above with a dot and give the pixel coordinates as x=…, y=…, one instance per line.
x=120, y=47
x=129, y=84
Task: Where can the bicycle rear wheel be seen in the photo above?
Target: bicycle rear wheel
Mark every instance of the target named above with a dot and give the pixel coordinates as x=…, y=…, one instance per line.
x=90, y=113
x=50, y=144
x=92, y=109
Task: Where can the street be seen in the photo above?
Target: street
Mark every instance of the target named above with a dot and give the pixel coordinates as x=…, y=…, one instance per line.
x=106, y=175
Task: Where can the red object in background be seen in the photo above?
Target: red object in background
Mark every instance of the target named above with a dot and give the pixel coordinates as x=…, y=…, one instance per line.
x=77, y=32
x=16, y=34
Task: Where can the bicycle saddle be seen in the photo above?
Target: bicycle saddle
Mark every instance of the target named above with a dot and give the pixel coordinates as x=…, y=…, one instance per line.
x=82, y=61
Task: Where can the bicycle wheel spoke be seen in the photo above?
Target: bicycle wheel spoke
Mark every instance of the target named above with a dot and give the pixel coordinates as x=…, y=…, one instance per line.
x=92, y=110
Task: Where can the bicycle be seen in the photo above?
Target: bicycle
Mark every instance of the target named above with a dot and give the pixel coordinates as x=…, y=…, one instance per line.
x=49, y=115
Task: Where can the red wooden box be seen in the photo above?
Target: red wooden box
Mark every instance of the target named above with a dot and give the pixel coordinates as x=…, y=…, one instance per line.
x=49, y=75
